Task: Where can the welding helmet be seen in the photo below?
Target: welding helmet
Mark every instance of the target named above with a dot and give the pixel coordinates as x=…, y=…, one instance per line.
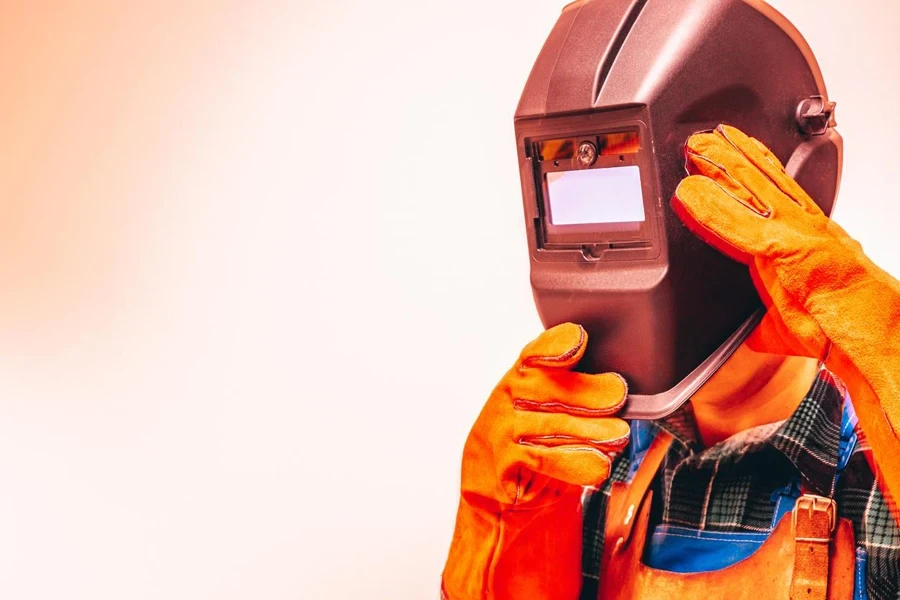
x=616, y=91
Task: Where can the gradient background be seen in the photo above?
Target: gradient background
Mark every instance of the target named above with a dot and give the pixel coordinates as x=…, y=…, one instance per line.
x=244, y=327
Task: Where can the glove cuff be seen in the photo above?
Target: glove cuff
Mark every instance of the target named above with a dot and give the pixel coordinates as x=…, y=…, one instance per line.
x=516, y=553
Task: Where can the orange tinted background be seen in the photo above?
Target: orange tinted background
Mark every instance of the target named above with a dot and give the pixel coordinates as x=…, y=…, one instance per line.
x=222, y=312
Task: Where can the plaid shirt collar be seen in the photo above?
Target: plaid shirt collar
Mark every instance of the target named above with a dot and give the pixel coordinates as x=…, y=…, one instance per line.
x=810, y=438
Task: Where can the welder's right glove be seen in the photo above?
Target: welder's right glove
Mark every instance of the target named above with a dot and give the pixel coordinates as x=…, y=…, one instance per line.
x=544, y=434
x=825, y=297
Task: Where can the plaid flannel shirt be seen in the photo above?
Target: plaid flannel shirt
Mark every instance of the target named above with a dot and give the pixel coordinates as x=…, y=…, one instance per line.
x=733, y=486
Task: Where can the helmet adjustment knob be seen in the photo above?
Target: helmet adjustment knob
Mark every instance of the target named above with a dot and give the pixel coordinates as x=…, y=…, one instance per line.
x=815, y=115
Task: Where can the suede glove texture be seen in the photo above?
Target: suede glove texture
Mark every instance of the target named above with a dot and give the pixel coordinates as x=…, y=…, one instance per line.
x=825, y=297
x=544, y=434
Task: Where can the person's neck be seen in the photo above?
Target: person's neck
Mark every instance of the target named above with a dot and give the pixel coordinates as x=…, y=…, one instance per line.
x=751, y=389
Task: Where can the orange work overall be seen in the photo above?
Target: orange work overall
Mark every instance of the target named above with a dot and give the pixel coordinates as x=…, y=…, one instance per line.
x=810, y=555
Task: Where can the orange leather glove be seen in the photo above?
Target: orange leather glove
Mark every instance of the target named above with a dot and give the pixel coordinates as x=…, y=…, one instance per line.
x=824, y=295
x=544, y=433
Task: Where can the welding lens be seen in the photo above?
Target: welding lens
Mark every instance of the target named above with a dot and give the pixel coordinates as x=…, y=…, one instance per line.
x=609, y=195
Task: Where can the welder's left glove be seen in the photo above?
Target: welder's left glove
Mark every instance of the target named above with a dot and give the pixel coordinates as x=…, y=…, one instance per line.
x=822, y=292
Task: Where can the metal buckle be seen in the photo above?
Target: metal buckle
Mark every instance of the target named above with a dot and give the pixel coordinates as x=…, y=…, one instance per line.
x=814, y=505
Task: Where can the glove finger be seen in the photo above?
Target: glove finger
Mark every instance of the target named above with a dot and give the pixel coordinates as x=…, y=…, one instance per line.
x=561, y=347
x=762, y=158
x=714, y=155
x=580, y=465
x=569, y=392
x=720, y=219
x=708, y=155
x=768, y=154
x=558, y=430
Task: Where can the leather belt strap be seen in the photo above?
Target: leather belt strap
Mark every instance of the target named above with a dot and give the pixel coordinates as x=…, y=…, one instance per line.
x=814, y=519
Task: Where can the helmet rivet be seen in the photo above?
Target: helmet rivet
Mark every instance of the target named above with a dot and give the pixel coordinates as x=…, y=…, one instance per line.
x=587, y=154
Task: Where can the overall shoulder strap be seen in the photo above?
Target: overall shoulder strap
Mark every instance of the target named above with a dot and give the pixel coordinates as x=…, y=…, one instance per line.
x=627, y=498
x=815, y=522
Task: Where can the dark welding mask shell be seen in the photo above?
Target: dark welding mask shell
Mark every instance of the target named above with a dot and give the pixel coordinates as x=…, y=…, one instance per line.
x=616, y=91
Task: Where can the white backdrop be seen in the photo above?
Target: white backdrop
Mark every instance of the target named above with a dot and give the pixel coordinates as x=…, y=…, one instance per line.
x=244, y=328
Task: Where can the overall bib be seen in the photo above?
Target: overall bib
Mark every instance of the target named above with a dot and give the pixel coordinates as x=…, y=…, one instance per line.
x=810, y=554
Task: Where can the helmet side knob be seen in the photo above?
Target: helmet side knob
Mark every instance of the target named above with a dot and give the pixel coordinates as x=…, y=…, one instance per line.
x=815, y=115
